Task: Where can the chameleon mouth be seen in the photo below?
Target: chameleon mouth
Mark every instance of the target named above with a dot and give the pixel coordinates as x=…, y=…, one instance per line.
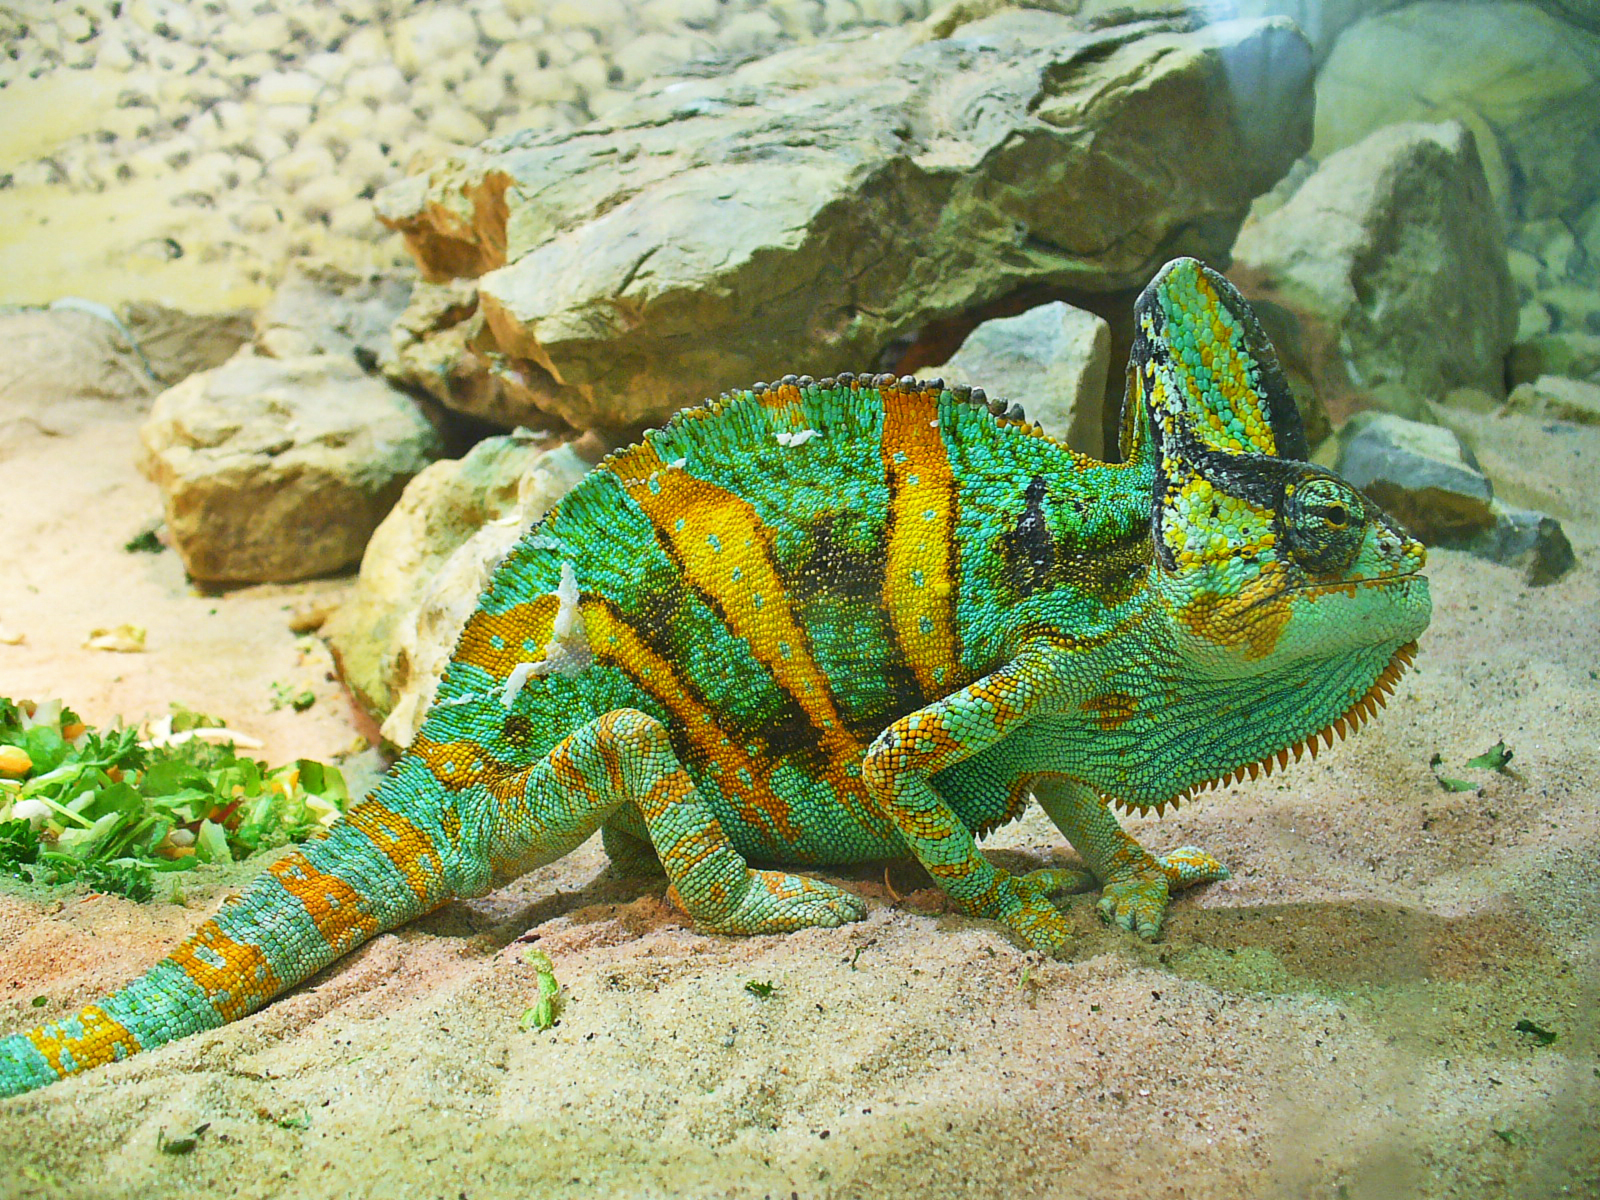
x=1353, y=718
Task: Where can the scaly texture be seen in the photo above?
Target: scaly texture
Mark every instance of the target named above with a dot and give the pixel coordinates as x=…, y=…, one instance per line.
x=829, y=621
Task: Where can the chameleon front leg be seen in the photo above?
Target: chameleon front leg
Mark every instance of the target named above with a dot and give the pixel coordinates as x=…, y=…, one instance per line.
x=904, y=757
x=625, y=759
x=1136, y=884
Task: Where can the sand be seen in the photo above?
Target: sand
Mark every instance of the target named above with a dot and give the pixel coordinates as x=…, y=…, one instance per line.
x=1335, y=1021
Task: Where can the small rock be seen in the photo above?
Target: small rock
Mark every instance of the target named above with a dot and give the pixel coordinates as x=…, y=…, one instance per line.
x=1532, y=541
x=53, y=354
x=176, y=344
x=1559, y=399
x=1431, y=482
x=1572, y=353
x=321, y=309
x=1052, y=359
x=1421, y=474
x=279, y=469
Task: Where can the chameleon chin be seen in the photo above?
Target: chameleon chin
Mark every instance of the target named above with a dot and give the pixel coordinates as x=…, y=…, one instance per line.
x=823, y=621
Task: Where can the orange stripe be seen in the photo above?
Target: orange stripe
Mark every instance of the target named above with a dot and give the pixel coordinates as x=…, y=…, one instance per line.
x=741, y=779
x=244, y=976
x=334, y=905
x=102, y=1035
x=726, y=554
x=497, y=642
x=403, y=844
x=919, y=576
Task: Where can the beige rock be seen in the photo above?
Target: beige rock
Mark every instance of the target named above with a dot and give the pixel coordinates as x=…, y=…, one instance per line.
x=1392, y=259
x=176, y=343
x=428, y=561
x=62, y=353
x=1524, y=82
x=431, y=35
x=320, y=309
x=701, y=237
x=1558, y=398
x=280, y=469
x=1052, y=359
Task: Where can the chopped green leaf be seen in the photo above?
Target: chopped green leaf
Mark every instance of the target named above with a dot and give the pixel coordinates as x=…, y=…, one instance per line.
x=40, y=1001
x=100, y=807
x=285, y=696
x=1510, y=1137
x=759, y=989
x=1447, y=783
x=1494, y=758
x=1541, y=1035
x=144, y=542
x=542, y=1013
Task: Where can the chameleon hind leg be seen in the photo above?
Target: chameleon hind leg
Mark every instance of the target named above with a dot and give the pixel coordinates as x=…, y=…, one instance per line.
x=624, y=759
x=1135, y=884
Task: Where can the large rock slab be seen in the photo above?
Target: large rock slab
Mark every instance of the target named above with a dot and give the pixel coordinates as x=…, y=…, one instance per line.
x=801, y=212
x=319, y=308
x=428, y=561
x=1053, y=359
x=1391, y=258
x=280, y=469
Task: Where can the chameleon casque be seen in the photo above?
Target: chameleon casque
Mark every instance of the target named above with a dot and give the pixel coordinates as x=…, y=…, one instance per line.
x=822, y=622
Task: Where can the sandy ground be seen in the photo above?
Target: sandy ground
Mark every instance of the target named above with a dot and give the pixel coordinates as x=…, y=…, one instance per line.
x=1336, y=1021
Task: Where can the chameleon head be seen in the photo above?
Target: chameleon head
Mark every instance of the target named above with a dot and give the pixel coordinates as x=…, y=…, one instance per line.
x=1261, y=558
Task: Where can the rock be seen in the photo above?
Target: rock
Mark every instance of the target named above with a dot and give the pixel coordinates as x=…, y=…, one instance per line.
x=428, y=561
x=320, y=309
x=1524, y=82
x=1431, y=482
x=1531, y=541
x=1558, y=399
x=60, y=353
x=176, y=343
x=804, y=210
x=1421, y=474
x=280, y=469
x=1572, y=353
x=1052, y=359
x=1392, y=259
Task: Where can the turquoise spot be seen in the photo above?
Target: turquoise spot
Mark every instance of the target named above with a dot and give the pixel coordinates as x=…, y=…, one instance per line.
x=498, y=642
x=924, y=624
x=714, y=542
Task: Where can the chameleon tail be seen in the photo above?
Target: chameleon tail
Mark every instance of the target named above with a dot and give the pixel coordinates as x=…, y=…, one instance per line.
x=374, y=870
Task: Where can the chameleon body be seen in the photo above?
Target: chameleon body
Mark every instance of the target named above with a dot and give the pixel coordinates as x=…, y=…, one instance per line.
x=822, y=622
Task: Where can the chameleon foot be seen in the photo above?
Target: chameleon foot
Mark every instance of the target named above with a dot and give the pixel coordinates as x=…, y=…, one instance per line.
x=1139, y=901
x=774, y=902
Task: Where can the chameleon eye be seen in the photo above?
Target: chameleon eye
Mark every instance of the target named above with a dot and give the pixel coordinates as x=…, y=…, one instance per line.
x=1325, y=522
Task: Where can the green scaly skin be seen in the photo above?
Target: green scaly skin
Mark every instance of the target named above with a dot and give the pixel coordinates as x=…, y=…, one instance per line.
x=824, y=622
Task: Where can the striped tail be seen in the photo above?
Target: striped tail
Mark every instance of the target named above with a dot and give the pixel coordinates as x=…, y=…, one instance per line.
x=374, y=870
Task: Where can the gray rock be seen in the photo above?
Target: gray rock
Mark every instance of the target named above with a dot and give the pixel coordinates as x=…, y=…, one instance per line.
x=280, y=469
x=1421, y=474
x=1392, y=259
x=1559, y=399
x=320, y=309
x=1431, y=482
x=1531, y=541
x=428, y=561
x=804, y=210
x=1052, y=359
